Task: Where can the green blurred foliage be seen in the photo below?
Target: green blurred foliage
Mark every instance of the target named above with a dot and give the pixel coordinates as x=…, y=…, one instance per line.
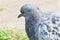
x=9, y=35
x=1, y=8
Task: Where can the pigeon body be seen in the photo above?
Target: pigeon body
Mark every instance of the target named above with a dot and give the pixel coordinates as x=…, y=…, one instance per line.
x=39, y=25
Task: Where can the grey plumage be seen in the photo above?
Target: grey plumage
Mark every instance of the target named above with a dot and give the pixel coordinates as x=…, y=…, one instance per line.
x=39, y=25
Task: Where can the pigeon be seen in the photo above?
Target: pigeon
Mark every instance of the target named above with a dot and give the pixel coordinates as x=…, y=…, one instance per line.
x=40, y=25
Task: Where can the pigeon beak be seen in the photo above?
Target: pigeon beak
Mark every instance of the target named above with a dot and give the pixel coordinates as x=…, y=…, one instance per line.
x=19, y=15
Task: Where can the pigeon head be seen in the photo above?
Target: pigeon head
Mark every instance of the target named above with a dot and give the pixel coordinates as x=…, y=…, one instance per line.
x=27, y=10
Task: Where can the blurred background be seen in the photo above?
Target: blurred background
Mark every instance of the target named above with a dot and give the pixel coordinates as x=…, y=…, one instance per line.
x=10, y=9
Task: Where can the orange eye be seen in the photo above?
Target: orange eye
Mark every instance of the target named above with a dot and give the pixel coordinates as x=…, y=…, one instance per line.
x=25, y=11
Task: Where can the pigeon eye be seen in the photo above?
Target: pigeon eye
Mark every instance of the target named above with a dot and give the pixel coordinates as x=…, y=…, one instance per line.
x=22, y=12
x=25, y=11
